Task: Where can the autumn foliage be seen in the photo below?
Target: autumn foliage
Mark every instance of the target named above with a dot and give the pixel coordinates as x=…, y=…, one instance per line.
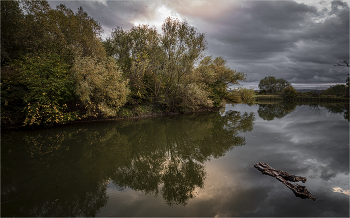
x=56, y=68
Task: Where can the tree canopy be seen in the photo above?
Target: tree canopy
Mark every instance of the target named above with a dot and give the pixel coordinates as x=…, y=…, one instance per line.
x=39, y=49
x=90, y=77
x=34, y=27
x=167, y=68
x=272, y=85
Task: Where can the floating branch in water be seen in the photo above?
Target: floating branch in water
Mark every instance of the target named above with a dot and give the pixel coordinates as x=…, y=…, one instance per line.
x=284, y=177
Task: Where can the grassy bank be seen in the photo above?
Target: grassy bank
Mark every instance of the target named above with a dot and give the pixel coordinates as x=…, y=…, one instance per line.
x=302, y=98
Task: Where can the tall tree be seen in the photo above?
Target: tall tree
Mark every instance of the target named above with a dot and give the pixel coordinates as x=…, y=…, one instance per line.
x=183, y=45
x=281, y=84
x=39, y=45
x=216, y=75
x=156, y=63
x=34, y=27
x=268, y=84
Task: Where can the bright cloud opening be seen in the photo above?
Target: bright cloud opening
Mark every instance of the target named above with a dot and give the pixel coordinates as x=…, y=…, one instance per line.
x=162, y=13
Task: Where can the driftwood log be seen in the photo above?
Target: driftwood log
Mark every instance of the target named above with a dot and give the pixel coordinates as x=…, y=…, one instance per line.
x=284, y=177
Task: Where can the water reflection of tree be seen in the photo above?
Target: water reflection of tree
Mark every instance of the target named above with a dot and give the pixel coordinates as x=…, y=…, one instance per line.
x=272, y=111
x=47, y=183
x=65, y=173
x=183, y=144
x=335, y=108
x=338, y=109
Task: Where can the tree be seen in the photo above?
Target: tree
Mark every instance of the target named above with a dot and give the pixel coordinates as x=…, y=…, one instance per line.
x=271, y=111
x=268, y=84
x=345, y=63
x=281, y=84
x=338, y=90
x=289, y=92
x=34, y=27
x=12, y=92
x=157, y=64
x=100, y=86
x=272, y=85
x=118, y=46
x=216, y=76
x=48, y=88
x=138, y=53
x=147, y=73
x=183, y=45
x=12, y=20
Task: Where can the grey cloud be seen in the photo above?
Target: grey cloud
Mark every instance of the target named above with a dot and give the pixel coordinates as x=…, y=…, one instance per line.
x=115, y=13
x=284, y=39
x=281, y=39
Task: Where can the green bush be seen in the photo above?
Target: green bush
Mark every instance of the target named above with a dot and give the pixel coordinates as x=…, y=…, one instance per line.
x=234, y=97
x=247, y=95
x=289, y=92
x=12, y=92
x=192, y=95
x=338, y=90
x=241, y=95
x=49, y=87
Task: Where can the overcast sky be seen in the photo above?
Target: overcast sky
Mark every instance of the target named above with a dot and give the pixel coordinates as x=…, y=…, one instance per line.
x=299, y=41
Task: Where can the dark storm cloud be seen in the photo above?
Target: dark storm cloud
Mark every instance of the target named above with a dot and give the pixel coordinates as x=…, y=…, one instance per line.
x=296, y=41
x=112, y=14
x=283, y=39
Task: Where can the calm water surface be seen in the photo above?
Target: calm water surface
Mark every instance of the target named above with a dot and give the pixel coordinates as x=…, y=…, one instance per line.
x=188, y=165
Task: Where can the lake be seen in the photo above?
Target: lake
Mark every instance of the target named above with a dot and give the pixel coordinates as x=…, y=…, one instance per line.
x=199, y=164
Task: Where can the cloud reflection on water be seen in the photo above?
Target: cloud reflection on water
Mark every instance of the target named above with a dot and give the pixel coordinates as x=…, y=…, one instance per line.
x=234, y=188
x=340, y=190
x=123, y=168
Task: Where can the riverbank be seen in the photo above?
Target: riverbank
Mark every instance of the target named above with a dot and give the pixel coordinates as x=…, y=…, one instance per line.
x=128, y=112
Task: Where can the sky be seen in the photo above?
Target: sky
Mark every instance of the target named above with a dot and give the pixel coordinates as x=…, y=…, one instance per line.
x=299, y=40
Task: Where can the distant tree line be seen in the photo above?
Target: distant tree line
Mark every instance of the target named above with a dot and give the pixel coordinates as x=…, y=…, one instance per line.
x=271, y=85
x=56, y=68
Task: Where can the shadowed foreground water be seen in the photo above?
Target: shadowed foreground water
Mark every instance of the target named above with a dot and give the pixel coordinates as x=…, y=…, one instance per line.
x=188, y=165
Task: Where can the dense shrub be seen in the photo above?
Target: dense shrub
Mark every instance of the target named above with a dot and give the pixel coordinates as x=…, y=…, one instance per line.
x=12, y=92
x=48, y=87
x=338, y=90
x=234, y=96
x=241, y=95
x=100, y=86
x=289, y=92
x=192, y=95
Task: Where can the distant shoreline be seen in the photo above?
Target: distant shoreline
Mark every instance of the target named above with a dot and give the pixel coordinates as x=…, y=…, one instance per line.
x=300, y=87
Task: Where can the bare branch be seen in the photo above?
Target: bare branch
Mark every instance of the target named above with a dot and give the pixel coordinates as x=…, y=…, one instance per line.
x=343, y=63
